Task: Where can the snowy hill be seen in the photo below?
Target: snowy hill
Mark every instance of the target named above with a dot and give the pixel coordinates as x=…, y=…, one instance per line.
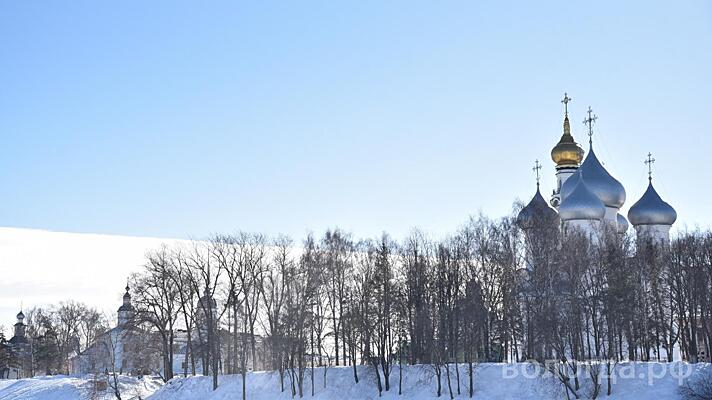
x=74, y=388
x=635, y=381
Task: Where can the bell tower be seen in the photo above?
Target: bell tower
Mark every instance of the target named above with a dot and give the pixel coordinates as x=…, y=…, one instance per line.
x=126, y=311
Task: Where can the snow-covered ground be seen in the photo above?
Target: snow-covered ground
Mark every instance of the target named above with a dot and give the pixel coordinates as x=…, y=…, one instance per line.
x=63, y=387
x=634, y=381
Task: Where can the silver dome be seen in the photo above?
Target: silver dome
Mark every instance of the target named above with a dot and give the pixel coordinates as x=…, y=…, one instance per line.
x=581, y=203
x=537, y=211
x=622, y=224
x=599, y=181
x=651, y=210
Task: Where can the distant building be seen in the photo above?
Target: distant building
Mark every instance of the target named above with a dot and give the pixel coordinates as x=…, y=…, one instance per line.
x=118, y=349
x=206, y=313
x=126, y=349
x=18, y=352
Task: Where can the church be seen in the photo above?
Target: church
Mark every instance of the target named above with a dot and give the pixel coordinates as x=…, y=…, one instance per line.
x=18, y=350
x=588, y=198
x=118, y=349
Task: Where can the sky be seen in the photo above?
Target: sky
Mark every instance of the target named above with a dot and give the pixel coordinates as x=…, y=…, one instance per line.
x=181, y=119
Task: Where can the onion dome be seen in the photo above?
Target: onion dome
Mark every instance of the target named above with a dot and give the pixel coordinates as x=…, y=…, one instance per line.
x=651, y=210
x=599, y=181
x=20, y=316
x=536, y=212
x=126, y=307
x=567, y=153
x=622, y=224
x=581, y=203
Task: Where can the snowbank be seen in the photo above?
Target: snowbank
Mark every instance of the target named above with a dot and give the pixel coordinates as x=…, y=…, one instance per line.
x=633, y=381
x=63, y=387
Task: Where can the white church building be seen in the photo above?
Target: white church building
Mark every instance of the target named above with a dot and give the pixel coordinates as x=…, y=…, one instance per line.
x=117, y=349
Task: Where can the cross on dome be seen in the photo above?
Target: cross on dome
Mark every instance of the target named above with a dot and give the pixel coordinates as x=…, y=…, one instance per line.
x=649, y=162
x=566, y=101
x=590, y=121
x=536, y=168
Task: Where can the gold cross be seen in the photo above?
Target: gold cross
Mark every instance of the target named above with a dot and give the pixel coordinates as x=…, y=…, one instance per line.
x=566, y=101
x=649, y=161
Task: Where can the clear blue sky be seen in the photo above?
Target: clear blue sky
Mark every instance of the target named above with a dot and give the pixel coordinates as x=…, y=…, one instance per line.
x=180, y=119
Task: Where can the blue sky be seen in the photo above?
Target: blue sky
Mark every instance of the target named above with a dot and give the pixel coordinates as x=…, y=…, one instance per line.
x=181, y=119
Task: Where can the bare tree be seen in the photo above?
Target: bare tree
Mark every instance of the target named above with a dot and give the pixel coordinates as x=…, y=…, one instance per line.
x=274, y=291
x=156, y=299
x=206, y=278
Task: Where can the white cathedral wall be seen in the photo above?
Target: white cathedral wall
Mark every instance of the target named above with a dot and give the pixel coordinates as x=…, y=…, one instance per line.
x=659, y=233
x=123, y=318
x=117, y=341
x=562, y=175
x=611, y=216
x=592, y=228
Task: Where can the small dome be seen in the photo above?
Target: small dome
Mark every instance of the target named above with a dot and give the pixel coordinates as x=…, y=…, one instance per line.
x=651, y=210
x=20, y=316
x=581, y=203
x=537, y=211
x=622, y=224
x=599, y=181
x=126, y=307
x=567, y=153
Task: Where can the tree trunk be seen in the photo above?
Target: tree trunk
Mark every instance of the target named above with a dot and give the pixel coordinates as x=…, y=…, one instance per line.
x=378, y=378
x=469, y=369
x=449, y=385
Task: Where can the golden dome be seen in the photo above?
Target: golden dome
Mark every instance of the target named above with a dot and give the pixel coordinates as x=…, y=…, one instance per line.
x=567, y=152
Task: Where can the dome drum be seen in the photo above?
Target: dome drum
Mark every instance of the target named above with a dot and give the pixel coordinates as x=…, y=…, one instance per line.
x=622, y=224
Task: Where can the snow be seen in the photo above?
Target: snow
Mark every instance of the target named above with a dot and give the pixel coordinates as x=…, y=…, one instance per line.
x=635, y=381
x=62, y=387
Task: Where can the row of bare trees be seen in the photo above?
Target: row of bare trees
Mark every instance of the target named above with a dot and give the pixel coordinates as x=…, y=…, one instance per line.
x=56, y=334
x=613, y=297
x=482, y=294
x=491, y=291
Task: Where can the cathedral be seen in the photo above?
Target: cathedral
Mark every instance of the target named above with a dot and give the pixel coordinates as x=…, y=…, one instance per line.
x=588, y=198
